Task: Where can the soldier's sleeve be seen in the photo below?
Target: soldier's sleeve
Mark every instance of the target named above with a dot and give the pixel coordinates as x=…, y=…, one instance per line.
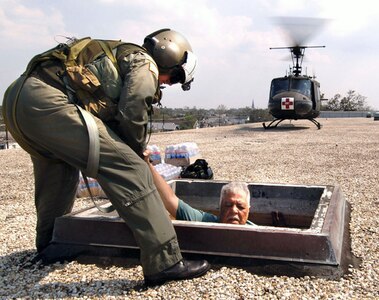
x=140, y=83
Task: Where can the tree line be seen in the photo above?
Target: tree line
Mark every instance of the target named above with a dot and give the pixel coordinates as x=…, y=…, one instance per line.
x=352, y=101
x=186, y=116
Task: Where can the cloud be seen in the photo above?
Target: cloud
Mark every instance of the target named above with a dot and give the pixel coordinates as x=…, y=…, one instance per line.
x=349, y=17
x=22, y=26
x=230, y=38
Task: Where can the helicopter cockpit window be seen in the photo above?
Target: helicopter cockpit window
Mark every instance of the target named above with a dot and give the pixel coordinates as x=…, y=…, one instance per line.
x=279, y=85
x=302, y=86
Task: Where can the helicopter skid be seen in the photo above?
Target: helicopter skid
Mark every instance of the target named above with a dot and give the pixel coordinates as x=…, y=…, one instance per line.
x=272, y=125
x=276, y=122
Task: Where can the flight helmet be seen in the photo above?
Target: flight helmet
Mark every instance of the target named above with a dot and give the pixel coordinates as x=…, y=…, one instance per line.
x=173, y=55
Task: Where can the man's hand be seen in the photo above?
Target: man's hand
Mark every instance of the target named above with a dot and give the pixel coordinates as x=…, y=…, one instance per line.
x=146, y=156
x=170, y=200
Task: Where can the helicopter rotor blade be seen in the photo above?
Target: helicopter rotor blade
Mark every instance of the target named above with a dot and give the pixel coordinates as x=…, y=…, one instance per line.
x=300, y=29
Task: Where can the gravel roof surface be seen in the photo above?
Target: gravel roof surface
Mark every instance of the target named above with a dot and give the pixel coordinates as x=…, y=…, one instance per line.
x=344, y=152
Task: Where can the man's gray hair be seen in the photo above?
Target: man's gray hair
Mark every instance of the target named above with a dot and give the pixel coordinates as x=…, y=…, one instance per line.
x=235, y=187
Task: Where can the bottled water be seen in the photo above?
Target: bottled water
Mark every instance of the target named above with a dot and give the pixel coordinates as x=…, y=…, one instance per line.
x=155, y=155
x=167, y=171
x=183, y=150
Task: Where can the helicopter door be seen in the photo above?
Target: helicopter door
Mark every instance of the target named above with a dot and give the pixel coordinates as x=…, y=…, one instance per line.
x=316, y=95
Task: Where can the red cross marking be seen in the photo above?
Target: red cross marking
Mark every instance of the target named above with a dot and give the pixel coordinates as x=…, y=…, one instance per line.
x=287, y=103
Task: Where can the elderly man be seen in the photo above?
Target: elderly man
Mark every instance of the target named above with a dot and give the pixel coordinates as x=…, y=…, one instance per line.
x=234, y=202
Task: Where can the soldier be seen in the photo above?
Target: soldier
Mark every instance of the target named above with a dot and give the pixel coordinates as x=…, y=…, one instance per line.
x=85, y=106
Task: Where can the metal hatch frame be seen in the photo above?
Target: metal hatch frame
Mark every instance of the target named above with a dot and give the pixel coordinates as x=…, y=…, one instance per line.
x=85, y=231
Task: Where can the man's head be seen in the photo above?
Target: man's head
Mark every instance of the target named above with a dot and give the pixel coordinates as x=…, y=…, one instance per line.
x=234, y=203
x=173, y=55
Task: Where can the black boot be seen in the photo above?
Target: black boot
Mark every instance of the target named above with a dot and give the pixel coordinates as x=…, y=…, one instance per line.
x=182, y=270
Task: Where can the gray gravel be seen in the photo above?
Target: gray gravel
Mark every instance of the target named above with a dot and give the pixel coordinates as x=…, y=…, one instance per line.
x=343, y=152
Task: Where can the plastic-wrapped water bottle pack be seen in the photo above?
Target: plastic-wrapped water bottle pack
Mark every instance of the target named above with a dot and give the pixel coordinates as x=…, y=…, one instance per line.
x=183, y=150
x=155, y=155
x=167, y=171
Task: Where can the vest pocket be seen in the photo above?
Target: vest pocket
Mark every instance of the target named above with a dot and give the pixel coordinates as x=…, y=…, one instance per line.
x=82, y=78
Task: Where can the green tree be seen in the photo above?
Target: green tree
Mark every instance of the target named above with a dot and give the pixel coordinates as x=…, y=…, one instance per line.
x=260, y=115
x=351, y=102
x=188, y=122
x=221, y=109
x=333, y=103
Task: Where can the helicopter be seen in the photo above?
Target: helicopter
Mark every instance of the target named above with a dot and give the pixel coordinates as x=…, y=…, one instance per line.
x=296, y=95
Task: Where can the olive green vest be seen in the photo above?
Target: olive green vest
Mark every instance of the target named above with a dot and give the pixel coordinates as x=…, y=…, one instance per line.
x=68, y=68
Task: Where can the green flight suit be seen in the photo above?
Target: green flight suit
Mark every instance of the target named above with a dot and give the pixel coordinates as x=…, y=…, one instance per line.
x=52, y=130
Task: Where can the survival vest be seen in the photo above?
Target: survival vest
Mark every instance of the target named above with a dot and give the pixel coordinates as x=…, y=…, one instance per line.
x=68, y=65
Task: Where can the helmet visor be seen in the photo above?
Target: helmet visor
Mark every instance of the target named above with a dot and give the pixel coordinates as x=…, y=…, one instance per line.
x=189, y=66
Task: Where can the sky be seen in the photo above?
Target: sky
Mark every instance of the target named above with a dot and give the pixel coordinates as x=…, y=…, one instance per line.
x=231, y=39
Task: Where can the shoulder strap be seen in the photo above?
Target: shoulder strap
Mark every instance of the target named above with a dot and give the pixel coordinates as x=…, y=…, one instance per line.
x=108, y=52
x=75, y=49
x=93, y=155
x=94, y=143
